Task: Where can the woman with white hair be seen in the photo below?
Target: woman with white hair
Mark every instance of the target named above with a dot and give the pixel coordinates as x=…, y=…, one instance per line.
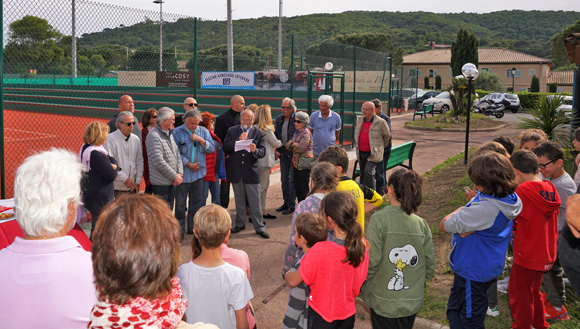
x=46, y=278
x=301, y=147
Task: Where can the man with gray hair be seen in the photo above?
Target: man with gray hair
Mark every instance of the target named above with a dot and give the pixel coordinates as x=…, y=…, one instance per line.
x=324, y=125
x=243, y=171
x=125, y=104
x=126, y=148
x=165, y=167
x=46, y=272
x=284, y=131
x=189, y=104
x=193, y=141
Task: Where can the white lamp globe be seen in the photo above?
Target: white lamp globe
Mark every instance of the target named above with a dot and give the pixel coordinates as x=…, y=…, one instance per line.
x=469, y=70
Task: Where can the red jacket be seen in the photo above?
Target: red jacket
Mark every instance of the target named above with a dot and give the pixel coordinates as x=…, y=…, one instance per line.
x=536, y=228
x=210, y=161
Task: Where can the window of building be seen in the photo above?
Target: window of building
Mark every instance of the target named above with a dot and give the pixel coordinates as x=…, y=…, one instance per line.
x=532, y=72
x=508, y=73
x=487, y=69
x=433, y=73
x=450, y=73
x=524, y=89
x=415, y=72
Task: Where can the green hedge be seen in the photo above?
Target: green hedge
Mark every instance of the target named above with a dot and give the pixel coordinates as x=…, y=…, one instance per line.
x=527, y=99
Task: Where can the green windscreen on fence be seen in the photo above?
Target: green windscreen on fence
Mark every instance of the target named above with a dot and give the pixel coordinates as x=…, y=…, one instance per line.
x=50, y=93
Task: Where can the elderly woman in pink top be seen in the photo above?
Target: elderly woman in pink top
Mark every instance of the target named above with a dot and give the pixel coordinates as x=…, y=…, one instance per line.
x=46, y=278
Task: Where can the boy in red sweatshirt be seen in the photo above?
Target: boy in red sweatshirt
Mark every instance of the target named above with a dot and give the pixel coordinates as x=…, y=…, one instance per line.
x=536, y=238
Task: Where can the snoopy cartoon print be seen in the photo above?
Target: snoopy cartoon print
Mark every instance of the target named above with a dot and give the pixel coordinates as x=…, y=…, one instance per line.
x=401, y=257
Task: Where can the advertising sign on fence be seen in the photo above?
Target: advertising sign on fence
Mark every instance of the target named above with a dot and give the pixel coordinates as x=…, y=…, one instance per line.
x=366, y=81
x=174, y=79
x=227, y=80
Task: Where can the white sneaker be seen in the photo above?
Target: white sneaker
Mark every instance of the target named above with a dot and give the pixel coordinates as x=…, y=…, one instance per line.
x=494, y=312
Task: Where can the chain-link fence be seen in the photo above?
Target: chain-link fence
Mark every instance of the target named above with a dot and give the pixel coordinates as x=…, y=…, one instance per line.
x=63, y=70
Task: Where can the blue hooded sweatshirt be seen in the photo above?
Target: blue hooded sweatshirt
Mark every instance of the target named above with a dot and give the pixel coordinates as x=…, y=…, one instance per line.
x=481, y=256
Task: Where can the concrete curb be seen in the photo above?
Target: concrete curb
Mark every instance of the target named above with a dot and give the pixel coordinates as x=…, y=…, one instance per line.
x=458, y=129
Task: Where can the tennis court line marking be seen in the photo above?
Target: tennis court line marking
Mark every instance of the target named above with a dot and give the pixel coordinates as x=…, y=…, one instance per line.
x=42, y=135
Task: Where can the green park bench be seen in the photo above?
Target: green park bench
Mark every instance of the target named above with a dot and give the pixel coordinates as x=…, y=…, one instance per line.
x=425, y=109
x=399, y=154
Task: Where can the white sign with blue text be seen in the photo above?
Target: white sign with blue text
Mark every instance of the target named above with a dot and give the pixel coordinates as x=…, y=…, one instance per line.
x=227, y=80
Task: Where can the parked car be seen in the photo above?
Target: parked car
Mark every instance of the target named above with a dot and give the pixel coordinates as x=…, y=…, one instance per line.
x=514, y=100
x=566, y=103
x=499, y=97
x=441, y=103
x=420, y=97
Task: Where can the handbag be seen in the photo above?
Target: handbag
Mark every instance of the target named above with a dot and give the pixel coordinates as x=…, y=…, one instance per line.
x=306, y=163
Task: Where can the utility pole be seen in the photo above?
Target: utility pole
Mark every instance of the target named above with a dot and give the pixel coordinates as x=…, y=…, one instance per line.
x=230, y=37
x=74, y=40
x=280, y=37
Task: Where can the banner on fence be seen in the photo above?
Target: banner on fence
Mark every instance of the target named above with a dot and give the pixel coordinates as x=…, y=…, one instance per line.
x=227, y=80
x=366, y=81
x=179, y=79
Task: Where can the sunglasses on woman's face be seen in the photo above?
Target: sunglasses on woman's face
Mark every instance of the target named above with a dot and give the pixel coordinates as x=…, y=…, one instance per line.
x=297, y=121
x=153, y=117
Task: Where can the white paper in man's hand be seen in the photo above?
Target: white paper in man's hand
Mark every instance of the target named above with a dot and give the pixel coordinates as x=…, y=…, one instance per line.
x=243, y=145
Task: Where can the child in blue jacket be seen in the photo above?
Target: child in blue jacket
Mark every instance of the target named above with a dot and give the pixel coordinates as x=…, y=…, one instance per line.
x=481, y=232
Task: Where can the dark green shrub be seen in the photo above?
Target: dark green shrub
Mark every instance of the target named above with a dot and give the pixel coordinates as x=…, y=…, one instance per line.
x=426, y=83
x=535, y=87
x=438, y=82
x=553, y=87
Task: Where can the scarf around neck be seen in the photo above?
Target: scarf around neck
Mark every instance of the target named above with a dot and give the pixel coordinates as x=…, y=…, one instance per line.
x=85, y=157
x=140, y=312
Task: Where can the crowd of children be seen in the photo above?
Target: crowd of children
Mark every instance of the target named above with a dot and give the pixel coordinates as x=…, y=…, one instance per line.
x=518, y=199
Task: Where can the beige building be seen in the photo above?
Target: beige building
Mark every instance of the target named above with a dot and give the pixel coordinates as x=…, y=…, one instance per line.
x=564, y=80
x=494, y=60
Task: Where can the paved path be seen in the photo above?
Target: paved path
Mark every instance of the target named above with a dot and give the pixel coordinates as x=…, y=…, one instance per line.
x=266, y=256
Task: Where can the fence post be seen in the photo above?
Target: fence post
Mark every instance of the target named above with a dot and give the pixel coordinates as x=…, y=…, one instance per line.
x=390, y=82
x=292, y=69
x=354, y=85
x=383, y=79
x=195, y=57
x=2, y=158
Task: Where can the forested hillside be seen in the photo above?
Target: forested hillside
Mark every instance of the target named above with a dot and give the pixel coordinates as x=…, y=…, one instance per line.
x=526, y=31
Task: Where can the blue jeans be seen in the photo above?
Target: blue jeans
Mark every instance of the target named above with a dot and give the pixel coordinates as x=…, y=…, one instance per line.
x=381, y=174
x=213, y=188
x=166, y=193
x=287, y=179
x=194, y=189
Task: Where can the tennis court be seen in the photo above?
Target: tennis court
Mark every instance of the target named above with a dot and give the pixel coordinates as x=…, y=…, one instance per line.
x=29, y=132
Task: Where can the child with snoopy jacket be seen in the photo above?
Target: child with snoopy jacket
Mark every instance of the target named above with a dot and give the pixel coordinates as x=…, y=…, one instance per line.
x=401, y=255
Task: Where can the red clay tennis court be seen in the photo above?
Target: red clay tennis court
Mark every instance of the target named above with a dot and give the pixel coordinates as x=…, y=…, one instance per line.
x=28, y=132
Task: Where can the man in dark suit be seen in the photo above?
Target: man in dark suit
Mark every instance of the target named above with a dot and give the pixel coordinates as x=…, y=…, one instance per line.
x=284, y=131
x=243, y=173
x=224, y=122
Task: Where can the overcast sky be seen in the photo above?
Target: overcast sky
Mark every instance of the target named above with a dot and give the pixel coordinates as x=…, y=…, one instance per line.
x=258, y=8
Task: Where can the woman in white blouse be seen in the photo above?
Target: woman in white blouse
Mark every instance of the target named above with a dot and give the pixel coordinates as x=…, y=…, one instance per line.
x=264, y=123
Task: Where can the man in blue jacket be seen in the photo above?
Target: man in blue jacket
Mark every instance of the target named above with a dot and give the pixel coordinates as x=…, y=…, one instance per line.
x=193, y=142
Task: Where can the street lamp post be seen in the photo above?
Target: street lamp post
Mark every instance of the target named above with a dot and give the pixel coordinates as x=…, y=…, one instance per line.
x=160, y=2
x=470, y=73
x=514, y=79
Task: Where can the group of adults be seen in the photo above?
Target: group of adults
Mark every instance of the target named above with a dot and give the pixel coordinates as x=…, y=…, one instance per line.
x=175, y=163
x=187, y=157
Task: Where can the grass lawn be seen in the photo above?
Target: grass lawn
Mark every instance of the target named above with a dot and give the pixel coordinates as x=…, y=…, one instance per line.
x=443, y=193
